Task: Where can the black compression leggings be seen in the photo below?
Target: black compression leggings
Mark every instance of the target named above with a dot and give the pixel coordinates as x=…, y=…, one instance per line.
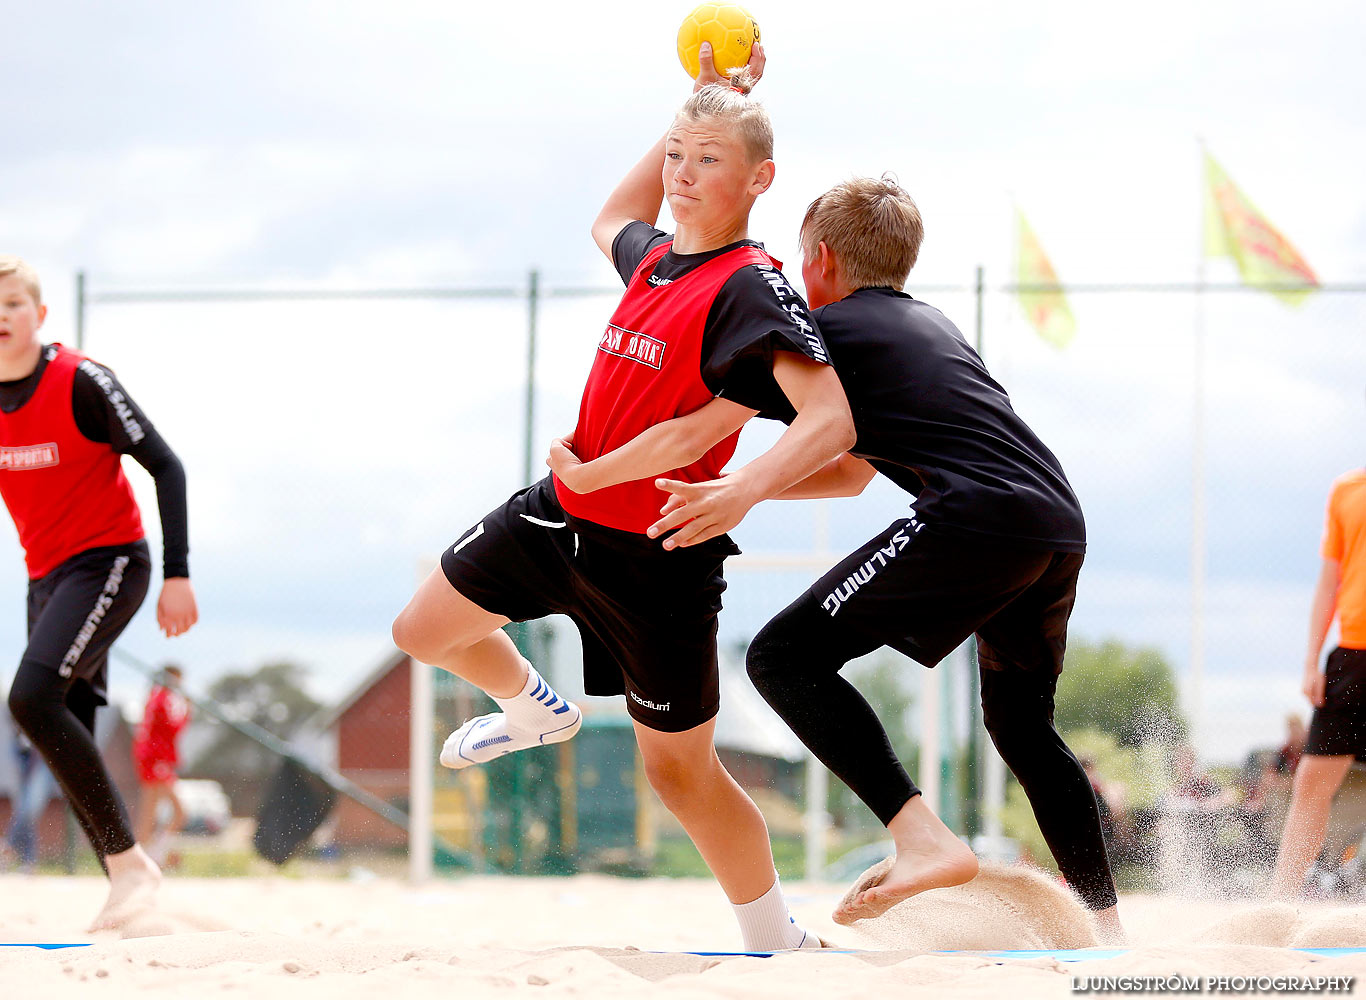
x=59, y=717
x=795, y=664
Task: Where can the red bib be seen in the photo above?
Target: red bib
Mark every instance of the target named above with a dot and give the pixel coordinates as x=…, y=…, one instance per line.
x=65, y=492
x=649, y=369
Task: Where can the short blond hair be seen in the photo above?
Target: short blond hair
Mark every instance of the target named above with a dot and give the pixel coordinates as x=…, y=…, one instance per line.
x=20, y=268
x=730, y=104
x=872, y=226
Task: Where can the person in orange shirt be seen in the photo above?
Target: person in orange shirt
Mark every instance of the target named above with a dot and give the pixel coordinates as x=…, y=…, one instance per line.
x=1337, y=732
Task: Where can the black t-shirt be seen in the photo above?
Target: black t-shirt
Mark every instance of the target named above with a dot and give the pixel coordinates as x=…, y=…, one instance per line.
x=932, y=419
x=756, y=313
x=106, y=414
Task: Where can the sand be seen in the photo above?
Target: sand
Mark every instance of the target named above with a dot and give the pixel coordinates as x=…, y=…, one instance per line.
x=596, y=936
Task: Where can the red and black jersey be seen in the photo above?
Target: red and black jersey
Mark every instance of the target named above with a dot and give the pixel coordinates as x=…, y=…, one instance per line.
x=65, y=492
x=690, y=327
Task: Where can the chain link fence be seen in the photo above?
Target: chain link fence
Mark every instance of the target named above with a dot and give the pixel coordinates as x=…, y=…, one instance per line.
x=336, y=439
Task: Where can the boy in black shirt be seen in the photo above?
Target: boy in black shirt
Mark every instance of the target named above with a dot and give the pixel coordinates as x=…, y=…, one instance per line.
x=992, y=547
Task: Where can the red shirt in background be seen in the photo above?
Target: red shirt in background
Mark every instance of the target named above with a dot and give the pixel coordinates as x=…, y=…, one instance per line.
x=154, y=745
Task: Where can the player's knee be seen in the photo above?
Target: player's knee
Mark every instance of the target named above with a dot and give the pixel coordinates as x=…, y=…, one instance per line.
x=675, y=780
x=415, y=638
x=1312, y=785
x=1009, y=731
x=30, y=702
x=770, y=656
x=761, y=661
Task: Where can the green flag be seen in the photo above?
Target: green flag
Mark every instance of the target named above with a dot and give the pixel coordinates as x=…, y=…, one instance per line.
x=1234, y=228
x=1047, y=311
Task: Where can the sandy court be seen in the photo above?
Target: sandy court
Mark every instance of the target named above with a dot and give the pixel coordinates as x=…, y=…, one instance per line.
x=594, y=936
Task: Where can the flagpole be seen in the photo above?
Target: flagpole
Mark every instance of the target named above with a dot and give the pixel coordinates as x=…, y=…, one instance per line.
x=1198, y=554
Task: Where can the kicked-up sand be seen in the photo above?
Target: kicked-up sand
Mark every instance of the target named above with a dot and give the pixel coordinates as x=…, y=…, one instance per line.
x=602, y=937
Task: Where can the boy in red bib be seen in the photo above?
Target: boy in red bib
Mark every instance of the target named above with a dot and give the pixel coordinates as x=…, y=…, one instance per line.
x=705, y=314
x=156, y=753
x=64, y=423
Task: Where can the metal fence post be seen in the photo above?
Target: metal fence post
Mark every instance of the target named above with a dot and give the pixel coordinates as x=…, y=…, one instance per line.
x=80, y=310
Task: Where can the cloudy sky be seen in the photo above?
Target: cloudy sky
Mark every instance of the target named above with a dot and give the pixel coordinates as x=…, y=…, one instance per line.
x=333, y=446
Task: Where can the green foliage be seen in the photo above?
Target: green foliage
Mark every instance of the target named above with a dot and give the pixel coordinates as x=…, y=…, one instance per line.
x=1140, y=771
x=676, y=857
x=1129, y=693
x=1017, y=823
x=1119, y=706
x=1139, y=774
x=273, y=698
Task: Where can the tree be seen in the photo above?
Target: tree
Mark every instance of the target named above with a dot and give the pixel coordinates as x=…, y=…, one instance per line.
x=273, y=698
x=1129, y=693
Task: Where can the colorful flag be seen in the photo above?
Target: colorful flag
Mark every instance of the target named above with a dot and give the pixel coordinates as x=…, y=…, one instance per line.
x=1234, y=228
x=1047, y=311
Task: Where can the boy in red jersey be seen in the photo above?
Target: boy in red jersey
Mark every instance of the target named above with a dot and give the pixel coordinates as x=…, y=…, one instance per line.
x=64, y=423
x=156, y=754
x=705, y=314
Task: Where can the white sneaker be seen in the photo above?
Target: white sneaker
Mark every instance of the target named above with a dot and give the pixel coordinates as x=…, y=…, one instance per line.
x=491, y=736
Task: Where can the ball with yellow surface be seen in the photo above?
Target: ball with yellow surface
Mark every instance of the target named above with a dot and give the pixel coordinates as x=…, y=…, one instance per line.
x=731, y=30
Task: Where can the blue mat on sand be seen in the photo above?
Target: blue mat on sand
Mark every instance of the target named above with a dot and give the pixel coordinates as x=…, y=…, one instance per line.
x=1061, y=954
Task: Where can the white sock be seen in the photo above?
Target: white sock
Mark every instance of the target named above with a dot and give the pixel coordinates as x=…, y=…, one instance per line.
x=536, y=705
x=765, y=924
x=535, y=716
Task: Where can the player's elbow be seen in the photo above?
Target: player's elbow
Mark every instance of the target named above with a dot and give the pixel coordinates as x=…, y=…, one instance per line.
x=858, y=477
x=842, y=433
x=839, y=421
x=602, y=237
x=690, y=443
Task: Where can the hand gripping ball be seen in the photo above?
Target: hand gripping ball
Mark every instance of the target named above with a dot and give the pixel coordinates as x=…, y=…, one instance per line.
x=731, y=31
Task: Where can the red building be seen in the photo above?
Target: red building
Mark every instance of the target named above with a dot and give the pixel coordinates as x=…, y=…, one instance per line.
x=368, y=734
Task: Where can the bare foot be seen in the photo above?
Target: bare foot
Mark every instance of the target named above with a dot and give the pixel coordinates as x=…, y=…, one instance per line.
x=908, y=875
x=928, y=856
x=133, y=882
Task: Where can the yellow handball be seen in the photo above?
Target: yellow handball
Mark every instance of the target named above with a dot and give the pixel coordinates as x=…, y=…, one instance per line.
x=731, y=31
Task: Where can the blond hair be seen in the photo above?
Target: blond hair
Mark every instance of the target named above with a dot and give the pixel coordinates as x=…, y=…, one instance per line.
x=872, y=226
x=729, y=104
x=21, y=270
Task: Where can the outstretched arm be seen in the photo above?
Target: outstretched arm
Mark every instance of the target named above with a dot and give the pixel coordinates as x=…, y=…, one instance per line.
x=822, y=430
x=662, y=448
x=1320, y=617
x=842, y=476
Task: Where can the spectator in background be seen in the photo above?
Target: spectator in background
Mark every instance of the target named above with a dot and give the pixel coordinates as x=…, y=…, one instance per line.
x=1337, y=731
x=31, y=796
x=1191, y=784
x=156, y=754
x=1288, y=756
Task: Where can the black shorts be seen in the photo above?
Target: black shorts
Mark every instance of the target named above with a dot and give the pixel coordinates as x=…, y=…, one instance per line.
x=647, y=617
x=1339, y=727
x=923, y=592
x=77, y=611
